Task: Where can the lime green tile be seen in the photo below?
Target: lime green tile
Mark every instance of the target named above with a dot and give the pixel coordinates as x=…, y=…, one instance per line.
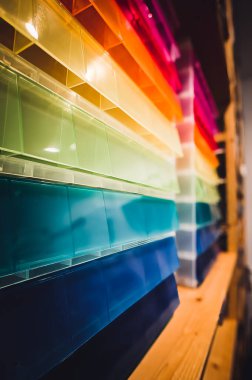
x=91, y=143
x=10, y=131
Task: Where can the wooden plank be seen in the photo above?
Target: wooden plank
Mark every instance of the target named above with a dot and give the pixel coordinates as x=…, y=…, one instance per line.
x=181, y=349
x=231, y=176
x=220, y=362
x=232, y=143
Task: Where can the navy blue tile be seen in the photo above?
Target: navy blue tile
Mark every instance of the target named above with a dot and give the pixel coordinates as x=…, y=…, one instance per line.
x=114, y=352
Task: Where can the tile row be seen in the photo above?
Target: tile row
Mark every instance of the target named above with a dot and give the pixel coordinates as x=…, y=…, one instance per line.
x=39, y=124
x=45, y=320
x=45, y=223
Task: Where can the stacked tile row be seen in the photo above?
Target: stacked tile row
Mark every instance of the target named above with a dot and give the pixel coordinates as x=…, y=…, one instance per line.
x=197, y=201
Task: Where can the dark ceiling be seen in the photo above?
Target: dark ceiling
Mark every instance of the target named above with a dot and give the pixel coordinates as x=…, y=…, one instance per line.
x=204, y=22
x=243, y=41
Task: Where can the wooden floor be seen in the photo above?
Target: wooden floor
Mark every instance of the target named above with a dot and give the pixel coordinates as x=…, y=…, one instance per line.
x=181, y=351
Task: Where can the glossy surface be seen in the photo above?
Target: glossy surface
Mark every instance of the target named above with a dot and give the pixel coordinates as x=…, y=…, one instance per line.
x=194, y=189
x=195, y=214
x=197, y=100
x=201, y=142
x=192, y=243
x=194, y=163
x=106, y=22
x=59, y=313
x=74, y=48
x=205, y=171
x=94, y=107
x=45, y=223
x=192, y=271
x=39, y=124
x=193, y=131
x=193, y=159
x=152, y=28
x=116, y=352
x=22, y=167
x=197, y=130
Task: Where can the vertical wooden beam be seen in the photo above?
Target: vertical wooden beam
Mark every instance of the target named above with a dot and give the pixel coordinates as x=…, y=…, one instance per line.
x=231, y=176
x=230, y=127
x=234, y=160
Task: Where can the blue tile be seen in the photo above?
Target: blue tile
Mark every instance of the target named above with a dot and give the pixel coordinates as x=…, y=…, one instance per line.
x=161, y=216
x=126, y=218
x=131, y=274
x=206, y=237
x=117, y=349
x=86, y=301
x=45, y=223
x=41, y=223
x=88, y=217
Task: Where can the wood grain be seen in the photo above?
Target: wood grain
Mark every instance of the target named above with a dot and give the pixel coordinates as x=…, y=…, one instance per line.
x=181, y=350
x=220, y=362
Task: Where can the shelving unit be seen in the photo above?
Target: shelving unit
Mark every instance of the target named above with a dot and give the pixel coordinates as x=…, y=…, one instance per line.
x=125, y=140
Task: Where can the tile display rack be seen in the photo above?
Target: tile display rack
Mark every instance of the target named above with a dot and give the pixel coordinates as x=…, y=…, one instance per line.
x=197, y=202
x=103, y=183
